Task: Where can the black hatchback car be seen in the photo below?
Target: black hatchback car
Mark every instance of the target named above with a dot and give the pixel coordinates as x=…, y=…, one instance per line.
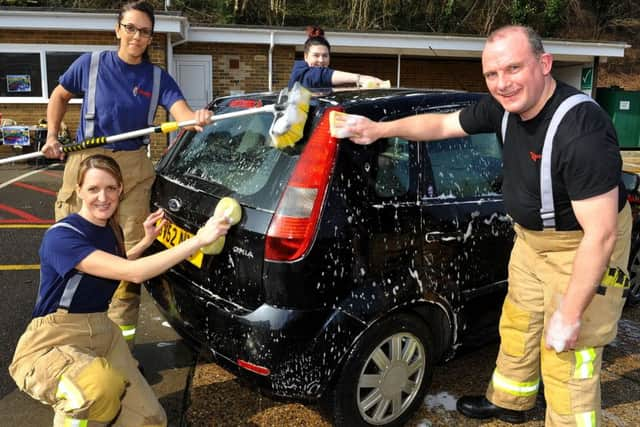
x=354, y=269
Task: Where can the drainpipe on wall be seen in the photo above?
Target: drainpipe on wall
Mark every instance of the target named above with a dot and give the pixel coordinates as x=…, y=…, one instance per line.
x=170, y=65
x=271, y=47
x=594, y=84
x=171, y=69
x=398, y=70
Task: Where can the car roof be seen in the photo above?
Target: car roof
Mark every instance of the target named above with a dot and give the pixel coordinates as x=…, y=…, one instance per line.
x=357, y=99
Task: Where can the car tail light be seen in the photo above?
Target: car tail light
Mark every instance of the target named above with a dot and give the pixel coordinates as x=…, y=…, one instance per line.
x=295, y=221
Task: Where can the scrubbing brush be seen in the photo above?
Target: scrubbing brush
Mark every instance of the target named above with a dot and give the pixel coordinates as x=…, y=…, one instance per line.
x=288, y=126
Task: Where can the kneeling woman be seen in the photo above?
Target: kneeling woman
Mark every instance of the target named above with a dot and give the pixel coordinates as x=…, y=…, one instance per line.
x=72, y=356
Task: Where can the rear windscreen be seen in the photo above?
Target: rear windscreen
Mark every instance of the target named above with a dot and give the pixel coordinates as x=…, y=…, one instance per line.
x=235, y=156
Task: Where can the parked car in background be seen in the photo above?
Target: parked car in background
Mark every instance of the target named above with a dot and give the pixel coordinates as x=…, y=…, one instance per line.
x=354, y=268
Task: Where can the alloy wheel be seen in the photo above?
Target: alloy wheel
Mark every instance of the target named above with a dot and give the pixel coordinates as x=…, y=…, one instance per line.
x=391, y=378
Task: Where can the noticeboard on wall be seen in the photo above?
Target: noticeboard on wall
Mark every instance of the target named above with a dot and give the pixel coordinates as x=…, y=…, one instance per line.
x=15, y=135
x=18, y=83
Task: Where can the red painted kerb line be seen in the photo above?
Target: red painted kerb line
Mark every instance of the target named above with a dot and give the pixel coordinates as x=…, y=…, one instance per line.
x=34, y=188
x=24, y=216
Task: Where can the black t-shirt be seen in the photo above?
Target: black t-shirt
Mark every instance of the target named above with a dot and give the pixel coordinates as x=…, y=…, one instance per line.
x=585, y=160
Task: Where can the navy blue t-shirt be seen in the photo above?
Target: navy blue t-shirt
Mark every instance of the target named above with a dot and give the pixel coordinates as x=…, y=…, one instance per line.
x=123, y=95
x=310, y=77
x=61, y=250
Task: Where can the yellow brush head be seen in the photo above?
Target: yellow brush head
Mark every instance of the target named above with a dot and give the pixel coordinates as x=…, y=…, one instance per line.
x=288, y=125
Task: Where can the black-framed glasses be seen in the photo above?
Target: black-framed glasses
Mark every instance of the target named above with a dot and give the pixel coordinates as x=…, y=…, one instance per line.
x=132, y=29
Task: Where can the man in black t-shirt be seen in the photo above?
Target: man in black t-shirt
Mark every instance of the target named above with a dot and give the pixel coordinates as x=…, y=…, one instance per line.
x=567, y=271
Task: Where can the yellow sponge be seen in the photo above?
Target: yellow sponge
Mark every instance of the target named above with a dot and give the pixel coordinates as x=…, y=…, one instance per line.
x=231, y=209
x=338, y=121
x=386, y=84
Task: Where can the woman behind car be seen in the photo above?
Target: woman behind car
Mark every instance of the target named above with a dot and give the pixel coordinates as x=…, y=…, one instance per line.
x=119, y=88
x=314, y=71
x=72, y=356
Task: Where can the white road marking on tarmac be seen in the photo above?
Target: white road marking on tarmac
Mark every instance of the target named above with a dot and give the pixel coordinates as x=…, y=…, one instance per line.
x=28, y=174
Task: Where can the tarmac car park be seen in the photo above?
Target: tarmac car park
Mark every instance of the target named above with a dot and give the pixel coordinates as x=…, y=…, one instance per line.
x=361, y=167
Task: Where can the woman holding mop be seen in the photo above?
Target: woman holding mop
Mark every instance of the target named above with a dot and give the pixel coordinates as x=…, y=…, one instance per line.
x=122, y=90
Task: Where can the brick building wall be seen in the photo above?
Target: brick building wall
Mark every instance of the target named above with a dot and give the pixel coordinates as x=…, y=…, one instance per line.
x=29, y=114
x=243, y=67
x=416, y=72
x=246, y=67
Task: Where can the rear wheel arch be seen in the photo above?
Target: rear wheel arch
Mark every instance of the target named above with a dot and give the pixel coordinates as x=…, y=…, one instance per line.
x=439, y=322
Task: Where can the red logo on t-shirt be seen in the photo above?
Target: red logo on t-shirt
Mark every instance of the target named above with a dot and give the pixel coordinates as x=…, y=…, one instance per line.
x=534, y=156
x=137, y=90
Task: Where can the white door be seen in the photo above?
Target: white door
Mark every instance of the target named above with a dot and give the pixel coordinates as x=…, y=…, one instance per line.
x=193, y=74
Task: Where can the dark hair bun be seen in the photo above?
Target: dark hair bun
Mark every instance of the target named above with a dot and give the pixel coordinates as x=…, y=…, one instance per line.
x=314, y=31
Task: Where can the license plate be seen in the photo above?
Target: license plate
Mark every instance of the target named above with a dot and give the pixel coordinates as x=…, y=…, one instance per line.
x=172, y=235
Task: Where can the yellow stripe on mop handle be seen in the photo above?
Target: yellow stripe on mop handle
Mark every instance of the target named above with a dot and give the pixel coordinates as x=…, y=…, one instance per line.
x=290, y=114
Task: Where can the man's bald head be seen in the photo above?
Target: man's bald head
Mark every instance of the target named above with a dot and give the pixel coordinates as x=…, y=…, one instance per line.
x=535, y=41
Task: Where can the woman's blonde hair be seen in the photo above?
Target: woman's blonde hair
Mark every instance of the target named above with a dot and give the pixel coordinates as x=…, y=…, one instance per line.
x=102, y=162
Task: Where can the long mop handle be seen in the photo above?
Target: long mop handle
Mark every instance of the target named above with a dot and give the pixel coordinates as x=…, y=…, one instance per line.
x=21, y=157
x=287, y=127
x=161, y=128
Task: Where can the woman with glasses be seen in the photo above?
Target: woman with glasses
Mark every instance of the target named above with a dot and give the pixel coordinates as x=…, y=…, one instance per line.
x=121, y=92
x=314, y=71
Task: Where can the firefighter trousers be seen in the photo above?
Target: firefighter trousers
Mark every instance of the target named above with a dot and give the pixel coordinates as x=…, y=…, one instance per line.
x=80, y=365
x=539, y=271
x=138, y=175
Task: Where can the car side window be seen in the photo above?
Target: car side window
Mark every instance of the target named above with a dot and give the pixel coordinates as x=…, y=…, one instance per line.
x=392, y=176
x=465, y=167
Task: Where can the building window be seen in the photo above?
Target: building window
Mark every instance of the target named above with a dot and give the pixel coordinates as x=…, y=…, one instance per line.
x=29, y=72
x=20, y=75
x=57, y=64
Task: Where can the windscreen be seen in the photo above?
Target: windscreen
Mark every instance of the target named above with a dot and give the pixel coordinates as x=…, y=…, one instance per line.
x=235, y=156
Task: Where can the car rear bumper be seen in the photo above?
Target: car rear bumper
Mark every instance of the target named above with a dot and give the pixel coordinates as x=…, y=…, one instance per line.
x=301, y=349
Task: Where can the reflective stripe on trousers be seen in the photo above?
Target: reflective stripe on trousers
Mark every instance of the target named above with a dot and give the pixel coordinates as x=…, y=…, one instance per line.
x=128, y=331
x=515, y=388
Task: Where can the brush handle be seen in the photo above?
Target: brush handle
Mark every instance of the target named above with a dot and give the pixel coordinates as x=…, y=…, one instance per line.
x=166, y=128
x=21, y=157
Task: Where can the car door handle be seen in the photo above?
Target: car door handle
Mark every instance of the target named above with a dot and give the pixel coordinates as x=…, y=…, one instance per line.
x=439, y=236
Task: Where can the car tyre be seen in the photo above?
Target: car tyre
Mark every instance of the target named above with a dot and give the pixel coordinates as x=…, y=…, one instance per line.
x=386, y=374
x=634, y=276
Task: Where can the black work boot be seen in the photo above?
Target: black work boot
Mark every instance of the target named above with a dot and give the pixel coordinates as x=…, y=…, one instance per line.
x=480, y=407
